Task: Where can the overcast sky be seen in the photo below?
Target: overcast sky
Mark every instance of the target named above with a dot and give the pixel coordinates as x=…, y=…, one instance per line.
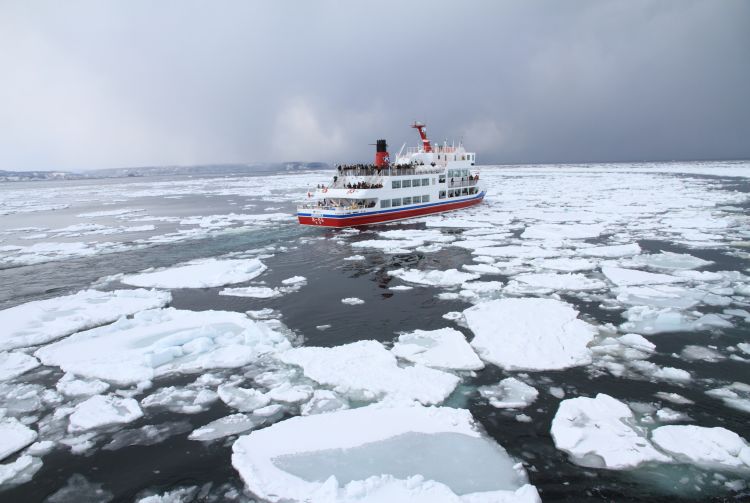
x=98, y=84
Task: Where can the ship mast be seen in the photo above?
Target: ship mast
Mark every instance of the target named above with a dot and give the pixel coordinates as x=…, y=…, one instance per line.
x=423, y=134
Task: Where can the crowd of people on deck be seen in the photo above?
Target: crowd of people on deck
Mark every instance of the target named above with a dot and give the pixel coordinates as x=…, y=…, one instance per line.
x=325, y=203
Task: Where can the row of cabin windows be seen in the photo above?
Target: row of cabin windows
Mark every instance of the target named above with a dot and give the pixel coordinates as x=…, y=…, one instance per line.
x=398, y=184
x=465, y=157
x=457, y=173
x=388, y=203
x=458, y=192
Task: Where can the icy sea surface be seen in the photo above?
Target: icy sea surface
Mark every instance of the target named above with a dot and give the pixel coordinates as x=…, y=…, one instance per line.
x=582, y=335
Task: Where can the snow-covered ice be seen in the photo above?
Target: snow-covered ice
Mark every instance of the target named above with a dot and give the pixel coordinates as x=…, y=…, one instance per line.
x=204, y=273
x=445, y=348
x=629, y=277
x=13, y=364
x=570, y=281
x=14, y=436
x=163, y=341
x=510, y=393
x=713, y=448
x=352, y=301
x=451, y=277
x=349, y=456
x=242, y=399
x=43, y=321
x=103, y=410
x=366, y=371
x=533, y=334
x=601, y=432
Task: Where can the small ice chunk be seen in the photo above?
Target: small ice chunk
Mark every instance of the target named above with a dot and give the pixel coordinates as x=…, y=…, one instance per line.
x=613, y=251
x=255, y=292
x=693, y=353
x=570, y=281
x=744, y=347
x=510, y=393
x=43, y=321
x=557, y=392
x=667, y=415
x=352, y=301
x=269, y=410
x=70, y=386
x=225, y=426
x=294, y=281
x=564, y=231
x=401, y=288
x=242, y=399
x=103, y=410
x=366, y=371
x=453, y=315
x=669, y=260
x=736, y=396
x=290, y=394
x=534, y=334
x=673, y=397
x=601, y=433
x=204, y=273
x=354, y=258
x=713, y=448
x=180, y=400
x=451, y=277
x=445, y=348
x=14, y=436
x=13, y=364
x=638, y=342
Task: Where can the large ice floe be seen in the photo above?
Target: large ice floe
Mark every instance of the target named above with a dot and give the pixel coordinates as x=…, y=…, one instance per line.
x=163, y=341
x=367, y=371
x=712, y=448
x=375, y=454
x=100, y=410
x=601, y=432
x=533, y=334
x=445, y=348
x=204, y=273
x=14, y=436
x=43, y=321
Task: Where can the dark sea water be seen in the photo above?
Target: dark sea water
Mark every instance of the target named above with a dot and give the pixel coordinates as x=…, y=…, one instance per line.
x=173, y=461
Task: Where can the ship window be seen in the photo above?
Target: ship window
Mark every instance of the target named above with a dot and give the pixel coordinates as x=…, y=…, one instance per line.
x=464, y=172
x=442, y=179
x=385, y=203
x=425, y=182
x=407, y=200
x=396, y=184
x=406, y=183
x=396, y=202
x=425, y=199
x=465, y=192
x=442, y=194
x=433, y=181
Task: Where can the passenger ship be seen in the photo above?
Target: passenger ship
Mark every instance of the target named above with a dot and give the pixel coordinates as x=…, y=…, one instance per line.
x=423, y=180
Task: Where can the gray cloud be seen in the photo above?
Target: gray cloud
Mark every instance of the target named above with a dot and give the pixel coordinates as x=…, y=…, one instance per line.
x=89, y=84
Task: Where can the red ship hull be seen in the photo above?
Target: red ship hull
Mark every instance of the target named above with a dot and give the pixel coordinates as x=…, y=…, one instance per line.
x=380, y=217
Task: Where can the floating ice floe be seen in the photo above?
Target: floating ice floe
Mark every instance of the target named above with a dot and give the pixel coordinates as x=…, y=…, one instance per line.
x=354, y=258
x=517, y=251
x=713, y=448
x=188, y=400
x=366, y=371
x=163, y=341
x=451, y=277
x=101, y=410
x=43, y=321
x=629, y=277
x=693, y=353
x=19, y=471
x=558, y=232
x=736, y=395
x=510, y=393
x=601, y=433
x=348, y=456
x=534, y=334
x=570, y=281
x=226, y=426
x=650, y=320
x=14, y=436
x=669, y=261
x=352, y=301
x=204, y=273
x=13, y=364
x=565, y=264
x=445, y=348
x=242, y=399
x=612, y=251
x=256, y=292
x=70, y=386
x=324, y=401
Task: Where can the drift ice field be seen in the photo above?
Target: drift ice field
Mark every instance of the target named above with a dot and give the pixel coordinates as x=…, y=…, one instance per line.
x=581, y=335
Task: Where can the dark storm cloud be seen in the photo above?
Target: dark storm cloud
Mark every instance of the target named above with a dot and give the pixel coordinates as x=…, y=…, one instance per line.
x=102, y=84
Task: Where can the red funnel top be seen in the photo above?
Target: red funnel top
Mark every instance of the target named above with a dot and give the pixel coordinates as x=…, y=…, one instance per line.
x=381, y=154
x=423, y=134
